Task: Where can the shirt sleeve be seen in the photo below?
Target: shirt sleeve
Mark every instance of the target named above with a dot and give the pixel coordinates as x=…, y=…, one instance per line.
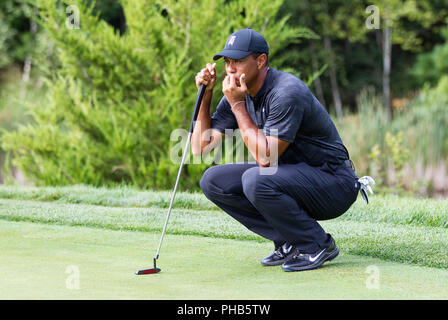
x=223, y=118
x=284, y=118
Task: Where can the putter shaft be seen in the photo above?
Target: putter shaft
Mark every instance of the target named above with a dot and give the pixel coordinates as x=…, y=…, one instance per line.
x=185, y=152
x=172, y=197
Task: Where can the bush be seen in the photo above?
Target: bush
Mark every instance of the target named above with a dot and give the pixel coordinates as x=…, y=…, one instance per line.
x=429, y=117
x=417, y=133
x=431, y=66
x=116, y=98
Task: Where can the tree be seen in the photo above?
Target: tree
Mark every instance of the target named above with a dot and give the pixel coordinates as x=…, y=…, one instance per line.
x=116, y=98
x=356, y=55
x=330, y=20
x=395, y=15
x=431, y=66
x=15, y=28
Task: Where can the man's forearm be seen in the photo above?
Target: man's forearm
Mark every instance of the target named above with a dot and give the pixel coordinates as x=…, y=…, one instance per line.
x=254, y=139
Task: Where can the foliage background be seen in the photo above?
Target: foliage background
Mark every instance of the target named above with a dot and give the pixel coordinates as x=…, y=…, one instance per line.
x=114, y=99
x=97, y=103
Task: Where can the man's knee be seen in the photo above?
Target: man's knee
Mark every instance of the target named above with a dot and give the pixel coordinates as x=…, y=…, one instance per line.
x=207, y=182
x=204, y=183
x=255, y=184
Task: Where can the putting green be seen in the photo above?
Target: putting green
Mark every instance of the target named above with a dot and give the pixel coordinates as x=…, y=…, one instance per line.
x=40, y=261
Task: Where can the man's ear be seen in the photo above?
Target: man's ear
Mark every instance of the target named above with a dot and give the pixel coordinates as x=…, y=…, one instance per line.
x=262, y=61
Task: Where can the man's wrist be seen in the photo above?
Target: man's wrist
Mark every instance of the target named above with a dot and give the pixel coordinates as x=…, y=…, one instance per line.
x=237, y=103
x=238, y=106
x=208, y=90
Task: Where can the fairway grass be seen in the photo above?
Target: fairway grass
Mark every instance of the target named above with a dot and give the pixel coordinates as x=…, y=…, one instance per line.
x=48, y=233
x=382, y=208
x=35, y=257
x=416, y=244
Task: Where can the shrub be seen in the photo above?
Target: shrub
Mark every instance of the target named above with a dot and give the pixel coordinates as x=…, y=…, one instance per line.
x=417, y=133
x=116, y=98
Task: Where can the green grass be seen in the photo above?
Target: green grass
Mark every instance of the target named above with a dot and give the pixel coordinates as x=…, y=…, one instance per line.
x=390, y=228
x=389, y=209
x=116, y=197
x=36, y=257
x=98, y=227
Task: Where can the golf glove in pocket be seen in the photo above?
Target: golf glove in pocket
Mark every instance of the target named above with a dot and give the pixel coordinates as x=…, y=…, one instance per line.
x=365, y=186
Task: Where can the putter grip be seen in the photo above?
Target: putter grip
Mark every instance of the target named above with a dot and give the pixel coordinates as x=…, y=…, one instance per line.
x=197, y=106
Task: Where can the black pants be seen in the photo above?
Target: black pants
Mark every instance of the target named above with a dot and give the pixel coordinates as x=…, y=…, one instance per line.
x=283, y=207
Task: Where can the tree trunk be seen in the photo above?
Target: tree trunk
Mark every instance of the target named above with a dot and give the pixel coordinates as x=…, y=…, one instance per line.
x=27, y=65
x=387, y=51
x=317, y=83
x=333, y=79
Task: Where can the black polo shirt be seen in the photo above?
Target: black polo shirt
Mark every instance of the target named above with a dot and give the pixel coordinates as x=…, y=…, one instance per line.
x=285, y=107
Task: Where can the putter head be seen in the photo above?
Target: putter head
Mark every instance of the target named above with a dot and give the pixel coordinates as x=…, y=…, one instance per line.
x=151, y=270
x=148, y=271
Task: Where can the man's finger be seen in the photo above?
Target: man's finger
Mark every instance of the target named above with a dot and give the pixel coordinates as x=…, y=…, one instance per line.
x=202, y=80
x=232, y=80
x=206, y=71
x=211, y=68
x=224, y=83
x=243, y=82
x=205, y=74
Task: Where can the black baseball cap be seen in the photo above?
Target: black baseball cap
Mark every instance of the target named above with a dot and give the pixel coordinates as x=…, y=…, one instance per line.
x=242, y=43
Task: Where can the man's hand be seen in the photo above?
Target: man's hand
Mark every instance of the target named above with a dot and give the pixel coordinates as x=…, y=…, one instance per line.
x=232, y=91
x=207, y=76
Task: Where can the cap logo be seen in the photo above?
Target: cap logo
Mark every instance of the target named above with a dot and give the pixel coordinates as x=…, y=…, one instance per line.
x=231, y=40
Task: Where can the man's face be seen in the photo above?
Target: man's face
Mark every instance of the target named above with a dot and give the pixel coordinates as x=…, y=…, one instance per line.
x=247, y=65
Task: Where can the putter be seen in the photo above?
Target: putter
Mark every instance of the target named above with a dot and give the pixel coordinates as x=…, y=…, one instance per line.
x=193, y=120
